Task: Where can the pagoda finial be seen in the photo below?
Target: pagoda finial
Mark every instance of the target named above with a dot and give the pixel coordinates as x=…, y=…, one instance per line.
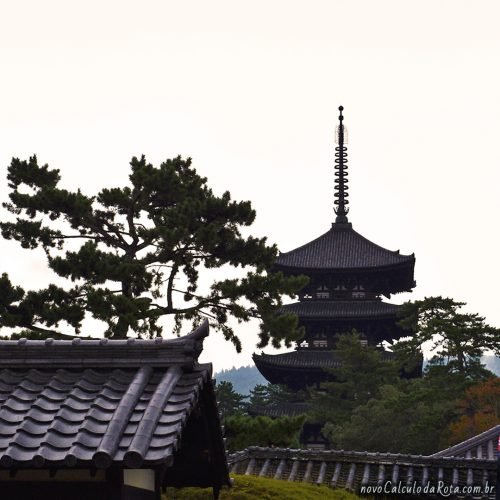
x=341, y=181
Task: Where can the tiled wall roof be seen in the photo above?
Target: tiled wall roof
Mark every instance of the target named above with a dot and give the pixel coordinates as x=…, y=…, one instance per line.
x=483, y=445
x=351, y=470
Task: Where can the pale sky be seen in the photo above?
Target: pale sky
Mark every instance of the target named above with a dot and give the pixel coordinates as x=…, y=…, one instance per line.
x=250, y=91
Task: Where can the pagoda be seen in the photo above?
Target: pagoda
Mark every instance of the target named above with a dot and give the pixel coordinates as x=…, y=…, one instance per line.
x=348, y=276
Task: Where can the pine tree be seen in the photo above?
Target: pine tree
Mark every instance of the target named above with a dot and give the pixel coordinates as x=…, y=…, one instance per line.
x=134, y=255
x=228, y=400
x=456, y=339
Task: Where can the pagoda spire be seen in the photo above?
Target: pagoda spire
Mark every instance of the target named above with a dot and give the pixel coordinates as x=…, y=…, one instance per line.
x=341, y=181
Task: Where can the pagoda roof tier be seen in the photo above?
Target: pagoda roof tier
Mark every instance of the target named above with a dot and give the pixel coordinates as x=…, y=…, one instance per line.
x=342, y=249
x=305, y=358
x=296, y=369
x=308, y=359
x=302, y=367
x=280, y=410
x=342, y=309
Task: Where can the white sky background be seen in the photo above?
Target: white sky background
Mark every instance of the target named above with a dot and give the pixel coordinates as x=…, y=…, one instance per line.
x=250, y=90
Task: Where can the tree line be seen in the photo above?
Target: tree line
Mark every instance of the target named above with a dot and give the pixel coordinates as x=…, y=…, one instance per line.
x=369, y=406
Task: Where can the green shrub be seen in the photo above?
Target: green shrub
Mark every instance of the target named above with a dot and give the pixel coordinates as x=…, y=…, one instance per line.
x=242, y=431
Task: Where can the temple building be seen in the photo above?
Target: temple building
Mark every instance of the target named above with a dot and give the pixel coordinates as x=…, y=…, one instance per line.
x=349, y=276
x=108, y=419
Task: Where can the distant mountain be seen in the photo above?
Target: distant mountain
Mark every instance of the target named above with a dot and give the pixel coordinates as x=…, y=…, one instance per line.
x=244, y=379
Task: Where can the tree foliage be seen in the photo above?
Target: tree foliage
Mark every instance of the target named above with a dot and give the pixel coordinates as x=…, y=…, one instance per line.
x=369, y=407
x=479, y=410
x=407, y=416
x=270, y=394
x=228, y=400
x=455, y=337
x=362, y=372
x=243, y=431
x=134, y=254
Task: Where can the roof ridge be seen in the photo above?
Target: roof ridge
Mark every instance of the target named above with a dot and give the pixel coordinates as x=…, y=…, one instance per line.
x=397, y=252
x=125, y=353
x=340, y=301
x=346, y=228
x=305, y=244
x=494, y=431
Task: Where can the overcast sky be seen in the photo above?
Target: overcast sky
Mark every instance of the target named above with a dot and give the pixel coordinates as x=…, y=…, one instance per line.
x=250, y=91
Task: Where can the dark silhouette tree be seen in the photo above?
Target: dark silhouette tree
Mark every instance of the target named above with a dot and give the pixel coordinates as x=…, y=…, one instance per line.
x=134, y=255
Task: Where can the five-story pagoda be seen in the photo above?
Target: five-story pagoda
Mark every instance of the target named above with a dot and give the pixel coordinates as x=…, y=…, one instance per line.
x=348, y=277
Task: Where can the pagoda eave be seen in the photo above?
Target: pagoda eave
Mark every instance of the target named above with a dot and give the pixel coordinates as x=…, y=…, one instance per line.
x=302, y=367
x=294, y=377
x=406, y=267
x=343, y=310
x=387, y=280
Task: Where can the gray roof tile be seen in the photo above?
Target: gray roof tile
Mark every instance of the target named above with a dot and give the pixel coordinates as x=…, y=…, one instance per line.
x=280, y=410
x=53, y=424
x=340, y=309
x=342, y=248
x=97, y=403
x=351, y=469
x=304, y=358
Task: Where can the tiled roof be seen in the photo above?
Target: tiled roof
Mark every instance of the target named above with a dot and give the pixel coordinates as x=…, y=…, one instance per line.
x=352, y=470
x=342, y=309
x=98, y=404
x=94, y=416
x=342, y=248
x=279, y=410
x=483, y=445
x=182, y=351
x=304, y=358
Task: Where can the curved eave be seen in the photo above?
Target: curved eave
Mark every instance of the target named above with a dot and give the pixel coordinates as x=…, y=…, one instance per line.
x=319, y=359
x=279, y=410
x=343, y=310
x=280, y=373
x=343, y=250
x=408, y=265
x=398, y=278
x=280, y=361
